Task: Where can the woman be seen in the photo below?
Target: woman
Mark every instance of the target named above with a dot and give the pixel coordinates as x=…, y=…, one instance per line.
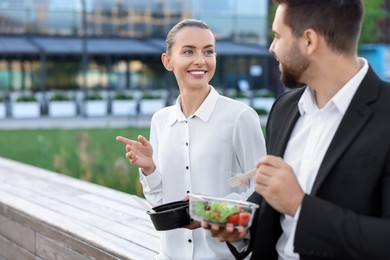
x=196, y=144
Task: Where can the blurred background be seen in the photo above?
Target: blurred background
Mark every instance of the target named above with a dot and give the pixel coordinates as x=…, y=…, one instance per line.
x=97, y=58
x=101, y=46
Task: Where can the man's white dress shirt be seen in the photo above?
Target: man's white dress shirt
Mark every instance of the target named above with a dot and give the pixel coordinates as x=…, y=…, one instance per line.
x=308, y=143
x=197, y=155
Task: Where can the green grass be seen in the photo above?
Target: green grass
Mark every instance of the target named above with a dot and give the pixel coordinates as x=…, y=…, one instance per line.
x=89, y=154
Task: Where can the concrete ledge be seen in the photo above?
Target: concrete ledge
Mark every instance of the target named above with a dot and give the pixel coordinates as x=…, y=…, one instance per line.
x=76, y=122
x=45, y=215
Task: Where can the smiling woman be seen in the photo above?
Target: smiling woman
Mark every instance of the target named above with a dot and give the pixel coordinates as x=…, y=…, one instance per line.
x=189, y=151
x=193, y=62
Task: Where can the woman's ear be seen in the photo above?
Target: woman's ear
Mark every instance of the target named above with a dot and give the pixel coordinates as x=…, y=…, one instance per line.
x=166, y=61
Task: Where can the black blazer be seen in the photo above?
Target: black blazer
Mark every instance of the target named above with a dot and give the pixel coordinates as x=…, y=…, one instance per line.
x=347, y=213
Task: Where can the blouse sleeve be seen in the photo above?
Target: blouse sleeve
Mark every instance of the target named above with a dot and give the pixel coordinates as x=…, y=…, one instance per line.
x=152, y=184
x=249, y=145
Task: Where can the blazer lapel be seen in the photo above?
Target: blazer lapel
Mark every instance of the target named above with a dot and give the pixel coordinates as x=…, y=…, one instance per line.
x=279, y=144
x=279, y=127
x=354, y=119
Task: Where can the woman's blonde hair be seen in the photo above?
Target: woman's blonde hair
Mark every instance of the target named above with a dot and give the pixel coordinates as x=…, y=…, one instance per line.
x=170, y=40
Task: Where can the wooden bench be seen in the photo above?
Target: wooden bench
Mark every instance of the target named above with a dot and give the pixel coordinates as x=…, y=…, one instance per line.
x=45, y=215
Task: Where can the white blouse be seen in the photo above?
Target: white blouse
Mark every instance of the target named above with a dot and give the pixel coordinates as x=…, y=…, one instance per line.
x=197, y=155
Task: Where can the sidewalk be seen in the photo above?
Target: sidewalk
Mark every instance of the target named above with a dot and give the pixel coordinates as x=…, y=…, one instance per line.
x=76, y=122
x=141, y=121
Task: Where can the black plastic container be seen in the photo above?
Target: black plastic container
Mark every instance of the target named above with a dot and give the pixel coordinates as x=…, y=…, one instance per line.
x=171, y=215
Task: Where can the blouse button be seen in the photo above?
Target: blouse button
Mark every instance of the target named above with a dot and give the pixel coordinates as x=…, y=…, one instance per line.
x=186, y=144
x=187, y=167
x=189, y=241
x=188, y=191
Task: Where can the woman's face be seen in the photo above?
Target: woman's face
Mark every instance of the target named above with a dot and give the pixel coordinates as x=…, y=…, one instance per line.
x=193, y=57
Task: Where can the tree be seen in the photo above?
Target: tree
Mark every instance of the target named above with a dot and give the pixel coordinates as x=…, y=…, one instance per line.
x=374, y=14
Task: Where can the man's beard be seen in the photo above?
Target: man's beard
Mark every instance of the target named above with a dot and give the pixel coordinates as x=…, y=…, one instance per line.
x=289, y=81
x=293, y=69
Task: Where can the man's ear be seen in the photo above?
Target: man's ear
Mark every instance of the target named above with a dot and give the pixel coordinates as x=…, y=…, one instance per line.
x=311, y=41
x=166, y=61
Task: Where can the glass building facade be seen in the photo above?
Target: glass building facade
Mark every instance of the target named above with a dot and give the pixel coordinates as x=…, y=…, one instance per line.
x=240, y=20
x=77, y=44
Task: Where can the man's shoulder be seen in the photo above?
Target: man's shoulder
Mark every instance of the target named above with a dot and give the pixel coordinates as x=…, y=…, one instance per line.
x=289, y=96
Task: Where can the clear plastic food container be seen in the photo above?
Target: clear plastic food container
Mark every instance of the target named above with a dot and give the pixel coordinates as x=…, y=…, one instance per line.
x=222, y=211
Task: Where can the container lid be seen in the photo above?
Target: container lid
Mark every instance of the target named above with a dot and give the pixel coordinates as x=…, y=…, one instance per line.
x=171, y=215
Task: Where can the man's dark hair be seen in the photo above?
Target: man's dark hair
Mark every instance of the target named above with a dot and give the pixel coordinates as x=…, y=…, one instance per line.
x=339, y=21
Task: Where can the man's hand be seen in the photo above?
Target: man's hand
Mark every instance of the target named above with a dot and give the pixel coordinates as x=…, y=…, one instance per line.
x=277, y=183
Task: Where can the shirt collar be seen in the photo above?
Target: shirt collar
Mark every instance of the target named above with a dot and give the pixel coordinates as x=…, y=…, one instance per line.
x=342, y=98
x=204, y=111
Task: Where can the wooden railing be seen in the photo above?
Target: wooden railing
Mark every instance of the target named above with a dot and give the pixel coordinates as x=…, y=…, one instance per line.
x=45, y=215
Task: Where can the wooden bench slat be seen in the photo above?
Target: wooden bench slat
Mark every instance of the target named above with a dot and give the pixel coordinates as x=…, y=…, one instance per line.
x=72, y=215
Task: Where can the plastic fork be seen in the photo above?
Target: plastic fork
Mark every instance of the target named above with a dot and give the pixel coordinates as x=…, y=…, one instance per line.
x=241, y=178
x=143, y=203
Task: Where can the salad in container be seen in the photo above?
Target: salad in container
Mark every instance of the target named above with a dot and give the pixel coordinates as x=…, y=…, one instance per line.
x=222, y=211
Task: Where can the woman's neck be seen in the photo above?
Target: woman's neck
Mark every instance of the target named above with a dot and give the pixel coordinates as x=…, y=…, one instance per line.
x=192, y=99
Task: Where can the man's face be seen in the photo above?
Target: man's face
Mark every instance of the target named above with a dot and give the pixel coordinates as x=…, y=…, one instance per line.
x=293, y=66
x=285, y=48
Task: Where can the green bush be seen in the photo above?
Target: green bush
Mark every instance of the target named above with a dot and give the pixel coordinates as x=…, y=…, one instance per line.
x=264, y=94
x=59, y=97
x=151, y=96
x=261, y=111
x=122, y=96
x=237, y=94
x=94, y=96
x=26, y=98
